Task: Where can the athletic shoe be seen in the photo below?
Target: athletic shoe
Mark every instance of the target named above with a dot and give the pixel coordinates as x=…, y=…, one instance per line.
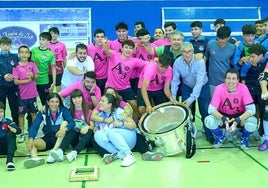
x=20, y=138
x=71, y=156
x=263, y=146
x=57, y=154
x=10, y=166
x=152, y=156
x=109, y=158
x=211, y=140
x=33, y=162
x=218, y=142
x=50, y=159
x=128, y=160
x=244, y=143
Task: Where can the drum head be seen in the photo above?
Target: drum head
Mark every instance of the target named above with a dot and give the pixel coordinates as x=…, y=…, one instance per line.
x=165, y=118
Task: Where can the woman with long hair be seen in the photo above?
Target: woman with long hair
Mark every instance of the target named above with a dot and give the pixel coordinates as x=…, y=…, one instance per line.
x=83, y=131
x=117, y=137
x=56, y=121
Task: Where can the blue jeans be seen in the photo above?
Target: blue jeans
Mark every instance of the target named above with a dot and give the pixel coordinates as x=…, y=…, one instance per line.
x=203, y=103
x=116, y=140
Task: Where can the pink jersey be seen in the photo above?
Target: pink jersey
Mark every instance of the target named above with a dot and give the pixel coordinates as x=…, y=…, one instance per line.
x=162, y=42
x=120, y=70
x=29, y=90
x=86, y=94
x=60, y=53
x=100, y=60
x=231, y=103
x=157, y=79
x=116, y=45
x=79, y=115
x=141, y=53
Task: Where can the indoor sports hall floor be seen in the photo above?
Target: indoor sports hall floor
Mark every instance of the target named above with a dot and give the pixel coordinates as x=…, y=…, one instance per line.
x=228, y=166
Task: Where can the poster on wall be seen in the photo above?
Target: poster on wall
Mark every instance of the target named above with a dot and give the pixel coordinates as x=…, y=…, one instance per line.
x=23, y=26
x=235, y=18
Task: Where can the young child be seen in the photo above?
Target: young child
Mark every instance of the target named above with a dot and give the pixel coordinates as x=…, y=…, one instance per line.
x=25, y=74
x=8, y=131
x=44, y=59
x=59, y=50
x=7, y=87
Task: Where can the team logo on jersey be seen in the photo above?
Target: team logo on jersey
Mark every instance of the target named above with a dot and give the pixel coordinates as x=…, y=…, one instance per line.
x=201, y=48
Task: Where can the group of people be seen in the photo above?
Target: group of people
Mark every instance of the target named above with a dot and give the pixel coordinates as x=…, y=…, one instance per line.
x=109, y=84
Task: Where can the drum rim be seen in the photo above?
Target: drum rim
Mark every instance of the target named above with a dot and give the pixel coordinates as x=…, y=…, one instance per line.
x=144, y=116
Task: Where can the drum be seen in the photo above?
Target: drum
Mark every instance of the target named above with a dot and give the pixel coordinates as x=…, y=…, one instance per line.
x=167, y=127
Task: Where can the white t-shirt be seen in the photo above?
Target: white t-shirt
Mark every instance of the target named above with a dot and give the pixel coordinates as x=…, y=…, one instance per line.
x=69, y=78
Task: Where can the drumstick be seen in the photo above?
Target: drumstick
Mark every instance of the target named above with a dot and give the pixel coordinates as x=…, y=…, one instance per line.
x=203, y=161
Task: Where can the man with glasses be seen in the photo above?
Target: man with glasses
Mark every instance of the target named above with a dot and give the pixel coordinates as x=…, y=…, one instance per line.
x=190, y=76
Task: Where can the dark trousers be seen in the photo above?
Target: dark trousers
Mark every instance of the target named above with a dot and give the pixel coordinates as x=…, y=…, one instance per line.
x=8, y=145
x=43, y=92
x=11, y=93
x=73, y=135
x=203, y=103
x=101, y=84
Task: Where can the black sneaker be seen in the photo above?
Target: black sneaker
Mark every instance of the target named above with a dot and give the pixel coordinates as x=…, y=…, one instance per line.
x=211, y=140
x=10, y=166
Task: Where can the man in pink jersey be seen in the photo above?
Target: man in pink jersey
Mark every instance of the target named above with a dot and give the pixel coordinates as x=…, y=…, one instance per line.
x=231, y=107
x=91, y=92
x=154, y=84
x=59, y=50
x=143, y=50
x=96, y=52
x=121, y=29
x=120, y=69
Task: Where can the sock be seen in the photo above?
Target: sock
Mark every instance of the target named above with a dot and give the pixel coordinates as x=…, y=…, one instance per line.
x=245, y=134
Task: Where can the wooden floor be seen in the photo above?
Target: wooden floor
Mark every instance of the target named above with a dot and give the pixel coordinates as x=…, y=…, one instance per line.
x=228, y=166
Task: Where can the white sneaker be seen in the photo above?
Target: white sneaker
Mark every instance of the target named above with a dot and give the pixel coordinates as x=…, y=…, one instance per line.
x=128, y=160
x=33, y=162
x=20, y=138
x=109, y=158
x=57, y=154
x=50, y=159
x=71, y=156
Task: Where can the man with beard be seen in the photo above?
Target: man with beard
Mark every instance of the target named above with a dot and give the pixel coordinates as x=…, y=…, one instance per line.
x=91, y=92
x=76, y=68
